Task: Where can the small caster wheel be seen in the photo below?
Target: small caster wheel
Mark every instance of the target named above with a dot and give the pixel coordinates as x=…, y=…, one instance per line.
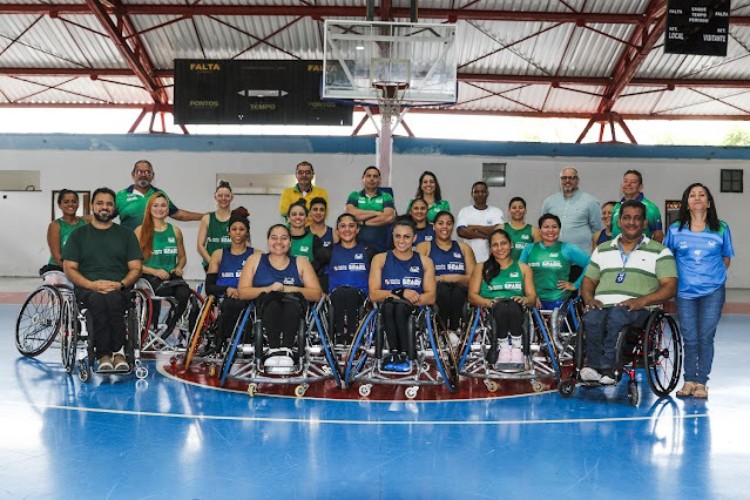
x=364, y=390
x=300, y=390
x=141, y=372
x=425, y=367
x=536, y=386
x=411, y=392
x=566, y=388
x=173, y=360
x=491, y=385
x=141, y=385
x=212, y=370
x=84, y=374
x=633, y=394
x=251, y=389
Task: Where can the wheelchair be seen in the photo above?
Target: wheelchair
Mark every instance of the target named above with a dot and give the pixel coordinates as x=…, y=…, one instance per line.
x=539, y=353
x=245, y=352
x=562, y=324
x=41, y=316
x=203, y=334
x=341, y=338
x=434, y=363
x=656, y=347
x=153, y=336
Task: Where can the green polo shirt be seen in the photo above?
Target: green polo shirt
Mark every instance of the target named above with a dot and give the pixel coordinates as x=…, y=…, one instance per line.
x=130, y=205
x=373, y=236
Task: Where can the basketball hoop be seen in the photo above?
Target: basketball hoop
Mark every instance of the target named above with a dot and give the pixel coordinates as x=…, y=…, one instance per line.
x=389, y=90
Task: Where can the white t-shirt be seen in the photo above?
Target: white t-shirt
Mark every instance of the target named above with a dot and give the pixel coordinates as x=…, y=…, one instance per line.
x=470, y=216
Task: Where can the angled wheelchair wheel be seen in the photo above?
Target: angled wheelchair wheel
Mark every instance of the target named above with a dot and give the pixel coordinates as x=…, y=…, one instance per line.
x=445, y=363
x=325, y=340
x=139, y=320
x=206, y=318
x=230, y=350
x=39, y=321
x=357, y=355
x=68, y=335
x=662, y=353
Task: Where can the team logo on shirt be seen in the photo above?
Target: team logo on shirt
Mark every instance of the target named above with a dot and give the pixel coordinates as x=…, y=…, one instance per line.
x=289, y=280
x=514, y=274
x=358, y=256
x=711, y=244
x=414, y=269
x=457, y=255
x=304, y=248
x=171, y=239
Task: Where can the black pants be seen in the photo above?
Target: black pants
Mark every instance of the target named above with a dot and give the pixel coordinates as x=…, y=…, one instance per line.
x=396, y=318
x=508, y=316
x=230, y=311
x=108, y=317
x=346, y=302
x=280, y=314
x=181, y=292
x=451, y=301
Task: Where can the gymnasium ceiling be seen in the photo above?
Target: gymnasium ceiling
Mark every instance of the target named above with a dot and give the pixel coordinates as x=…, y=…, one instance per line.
x=600, y=60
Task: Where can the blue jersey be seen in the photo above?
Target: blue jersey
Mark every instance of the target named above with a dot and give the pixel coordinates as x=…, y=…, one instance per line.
x=230, y=267
x=327, y=238
x=348, y=267
x=266, y=274
x=700, y=258
x=449, y=261
x=427, y=233
x=399, y=273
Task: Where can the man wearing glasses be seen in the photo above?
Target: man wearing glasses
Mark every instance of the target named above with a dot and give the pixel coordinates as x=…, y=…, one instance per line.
x=579, y=212
x=131, y=202
x=304, y=189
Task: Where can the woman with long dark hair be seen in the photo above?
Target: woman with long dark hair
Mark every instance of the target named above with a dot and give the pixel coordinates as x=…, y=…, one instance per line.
x=302, y=237
x=702, y=246
x=429, y=191
x=213, y=231
x=418, y=214
x=504, y=286
x=60, y=228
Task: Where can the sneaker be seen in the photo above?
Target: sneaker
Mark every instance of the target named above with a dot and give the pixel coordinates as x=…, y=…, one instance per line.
x=279, y=362
x=121, y=365
x=403, y=365
x=516, y=356
x=453, y=339
x=504, y=356
x=390, y=363
x=105, y=363
x=588, y=374
x=607, y=379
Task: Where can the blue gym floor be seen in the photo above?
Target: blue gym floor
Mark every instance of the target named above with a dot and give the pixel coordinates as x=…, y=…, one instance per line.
x=166, y=438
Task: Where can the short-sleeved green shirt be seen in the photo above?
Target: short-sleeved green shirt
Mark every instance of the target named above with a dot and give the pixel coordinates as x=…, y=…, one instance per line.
x=102, y=254
x=653, y=216
x=434, y=209
x=131, y=205
x=373, y=236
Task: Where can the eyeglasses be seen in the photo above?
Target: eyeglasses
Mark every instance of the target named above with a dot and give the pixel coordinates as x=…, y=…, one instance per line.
x=304, y=172
x=568, y=177
x=144, y=172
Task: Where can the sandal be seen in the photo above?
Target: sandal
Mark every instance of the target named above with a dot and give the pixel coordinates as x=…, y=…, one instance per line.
x=701, y=391
x=687, y=390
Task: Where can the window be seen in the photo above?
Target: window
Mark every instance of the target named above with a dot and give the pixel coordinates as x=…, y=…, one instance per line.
x=731, y=180
x=494, y=174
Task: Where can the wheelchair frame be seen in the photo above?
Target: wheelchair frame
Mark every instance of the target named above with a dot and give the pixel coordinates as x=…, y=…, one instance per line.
x=40, y=319
x=656, y=347
x=316, y=361
x=364, y=362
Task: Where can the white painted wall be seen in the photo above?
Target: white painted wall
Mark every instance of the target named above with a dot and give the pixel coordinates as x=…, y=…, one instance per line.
x=189, y=178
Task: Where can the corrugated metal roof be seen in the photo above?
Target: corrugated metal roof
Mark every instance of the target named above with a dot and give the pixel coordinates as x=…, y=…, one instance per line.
x=505, y=51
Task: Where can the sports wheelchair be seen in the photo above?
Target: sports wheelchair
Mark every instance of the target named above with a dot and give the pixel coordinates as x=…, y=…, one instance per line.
x=153, y=335
x=247, y=349
x=655, y=346
x=432, y=362
x=539, y=354
x=562, y=324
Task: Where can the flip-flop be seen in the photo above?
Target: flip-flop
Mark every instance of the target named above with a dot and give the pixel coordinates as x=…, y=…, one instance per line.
x=687, y=390
x=700, y=391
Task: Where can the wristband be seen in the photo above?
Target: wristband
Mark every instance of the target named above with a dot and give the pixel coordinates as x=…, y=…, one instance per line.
x=399, y=292
x=122, y=285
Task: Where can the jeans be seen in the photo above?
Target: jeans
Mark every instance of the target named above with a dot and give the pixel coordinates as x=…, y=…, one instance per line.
x=698, y=321
x=602, y=327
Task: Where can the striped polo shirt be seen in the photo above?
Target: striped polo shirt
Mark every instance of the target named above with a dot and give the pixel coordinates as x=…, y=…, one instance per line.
x=649, y=262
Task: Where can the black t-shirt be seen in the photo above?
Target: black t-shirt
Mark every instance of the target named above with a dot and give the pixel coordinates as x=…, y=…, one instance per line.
x=102, y=254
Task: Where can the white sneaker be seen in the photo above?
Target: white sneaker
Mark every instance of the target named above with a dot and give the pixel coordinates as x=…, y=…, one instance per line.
x=588, y=374
x=453, y=338
x=516, y=356
x=504, y=358
x=279, y=362
x=607, y=380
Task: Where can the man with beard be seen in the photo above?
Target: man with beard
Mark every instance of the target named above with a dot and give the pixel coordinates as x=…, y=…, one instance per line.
x=131, y=201
x=103, y=261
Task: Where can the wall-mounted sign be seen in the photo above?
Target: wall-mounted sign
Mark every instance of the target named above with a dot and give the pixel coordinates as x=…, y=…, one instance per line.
x=698, y=27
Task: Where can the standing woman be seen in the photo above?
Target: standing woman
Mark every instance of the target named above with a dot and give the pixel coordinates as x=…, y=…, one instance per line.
x=454, y=262
x=302, y=237
x=550, y=260
x=702, y=246
x=504, y=286
x=60, y=228
x=279, y=283
x=429, y=191
x=400, y=281
x=213, y=230
x=223, y=275
x=418, y=213
x=605, y=233
x=318, y=227
x=163, y=255
x=521, y=233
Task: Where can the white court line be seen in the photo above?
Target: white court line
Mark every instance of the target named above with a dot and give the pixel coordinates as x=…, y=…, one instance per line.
x=314, y=421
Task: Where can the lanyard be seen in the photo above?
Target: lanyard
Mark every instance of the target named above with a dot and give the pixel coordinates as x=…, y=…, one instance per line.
x=625, y=257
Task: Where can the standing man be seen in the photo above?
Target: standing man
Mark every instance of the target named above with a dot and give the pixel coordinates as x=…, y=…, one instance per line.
x=374, y=209
x=103, y=260
x=131, y=202
x=476, y=222
x=625, y=277
x=579, y=212
x=632, y=189
x=304, y=189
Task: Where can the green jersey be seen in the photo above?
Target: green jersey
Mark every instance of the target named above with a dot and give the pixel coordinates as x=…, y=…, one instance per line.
x=653, y=216
x=519, y=238
x=217, y=235
x=507, y=284
x=302, y=246
x=164, y=254
x=65, y=230
x=130, y=205
x=434, y=209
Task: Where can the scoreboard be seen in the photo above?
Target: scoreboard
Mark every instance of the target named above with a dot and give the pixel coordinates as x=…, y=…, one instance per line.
x=698, y=27
x=256, y=92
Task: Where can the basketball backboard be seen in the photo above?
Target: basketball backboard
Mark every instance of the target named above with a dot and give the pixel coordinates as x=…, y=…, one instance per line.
x=361, y=58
